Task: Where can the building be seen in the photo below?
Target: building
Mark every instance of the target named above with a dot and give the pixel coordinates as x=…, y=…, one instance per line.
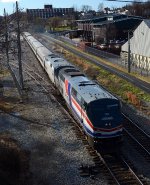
x=48, y=12
x=139, y=47
x=108, y=27
x=114, y=28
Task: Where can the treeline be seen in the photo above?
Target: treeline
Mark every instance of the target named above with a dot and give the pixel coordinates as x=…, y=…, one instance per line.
x=139, y=9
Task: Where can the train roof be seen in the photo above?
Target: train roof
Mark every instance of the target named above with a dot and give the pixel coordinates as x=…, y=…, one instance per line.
x=31, y=40
x=57, y=62
x=26, y=34
x=51, y=56
x=37, y=44
x=71, y=72
x=43, y=51
x=89, y=90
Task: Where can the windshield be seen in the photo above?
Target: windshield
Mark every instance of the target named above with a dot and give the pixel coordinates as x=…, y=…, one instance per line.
x=104, y=111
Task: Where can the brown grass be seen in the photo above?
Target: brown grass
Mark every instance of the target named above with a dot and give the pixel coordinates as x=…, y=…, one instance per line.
x=5, y=106
x=133, y=99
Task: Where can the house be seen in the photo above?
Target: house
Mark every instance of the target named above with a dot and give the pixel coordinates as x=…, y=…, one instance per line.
x=139, y=47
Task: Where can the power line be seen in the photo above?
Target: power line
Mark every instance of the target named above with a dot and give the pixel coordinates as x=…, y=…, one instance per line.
x=127, y=1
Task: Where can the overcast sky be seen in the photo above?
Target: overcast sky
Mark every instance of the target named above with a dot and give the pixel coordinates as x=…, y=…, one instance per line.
x=9, y=4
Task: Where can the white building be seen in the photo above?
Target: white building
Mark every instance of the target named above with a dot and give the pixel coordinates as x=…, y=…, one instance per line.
x=139, y=47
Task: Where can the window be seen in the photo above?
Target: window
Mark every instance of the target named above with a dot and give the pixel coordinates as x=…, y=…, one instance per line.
x=78, y=98
x=84, y=104
x=74, y=93
x=110, y=18
x=62, y=77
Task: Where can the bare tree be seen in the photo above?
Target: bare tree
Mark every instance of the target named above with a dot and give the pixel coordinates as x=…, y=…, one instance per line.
x=139, y=9
x=7, y=53
x=55, y=22
x=10, y=33
x=19, y=46
x=86, y=8
x=100, y=7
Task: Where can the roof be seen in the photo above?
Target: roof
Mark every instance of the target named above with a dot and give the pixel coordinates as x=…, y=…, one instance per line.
x=58, y=63
x=71, y=72
x=118, y=20
x=26, y=34
x=89, y=90
x=44, y=51
x=147, y=22
x=102, y=17
x=37, y=44
x=31, y=39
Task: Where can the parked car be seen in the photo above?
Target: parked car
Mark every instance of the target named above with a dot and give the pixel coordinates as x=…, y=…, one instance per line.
x=103, y=46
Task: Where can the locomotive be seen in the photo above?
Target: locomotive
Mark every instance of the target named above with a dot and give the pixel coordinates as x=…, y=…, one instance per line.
x=97, y=111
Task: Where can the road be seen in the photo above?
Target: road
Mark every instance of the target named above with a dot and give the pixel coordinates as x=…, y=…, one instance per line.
x=145, y=86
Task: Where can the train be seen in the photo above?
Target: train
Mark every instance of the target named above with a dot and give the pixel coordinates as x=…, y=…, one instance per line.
x=96, y=110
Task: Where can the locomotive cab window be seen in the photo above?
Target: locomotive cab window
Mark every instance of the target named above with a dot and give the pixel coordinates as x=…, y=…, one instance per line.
x=62, y=77
x=84, y=104
x=113, y=107
x=76, y=95
x=73, y=92
x=78, y=98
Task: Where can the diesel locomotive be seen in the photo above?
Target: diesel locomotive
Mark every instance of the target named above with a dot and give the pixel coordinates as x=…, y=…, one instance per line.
x=97, y=111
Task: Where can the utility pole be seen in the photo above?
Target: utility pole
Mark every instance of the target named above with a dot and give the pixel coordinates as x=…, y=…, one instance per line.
x=6, y=36
x=129, y=62
x=19, y=47
x=7, y=54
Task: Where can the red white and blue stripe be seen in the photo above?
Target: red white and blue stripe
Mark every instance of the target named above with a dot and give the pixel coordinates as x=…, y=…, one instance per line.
x=88, y=126
x=86, y=123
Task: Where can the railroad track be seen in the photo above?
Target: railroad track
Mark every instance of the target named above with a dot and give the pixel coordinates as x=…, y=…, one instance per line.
x=139, y=139
x=119, y=169
x=115, y=168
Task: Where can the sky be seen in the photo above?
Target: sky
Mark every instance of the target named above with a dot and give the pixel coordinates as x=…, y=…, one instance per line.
x=9, y=4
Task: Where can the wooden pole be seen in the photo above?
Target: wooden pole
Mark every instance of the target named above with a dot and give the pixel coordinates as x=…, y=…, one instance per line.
x=19, y=48
x=7, y=55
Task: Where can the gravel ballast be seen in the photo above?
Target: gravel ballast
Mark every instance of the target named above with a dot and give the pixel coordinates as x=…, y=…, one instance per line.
x=40, y=127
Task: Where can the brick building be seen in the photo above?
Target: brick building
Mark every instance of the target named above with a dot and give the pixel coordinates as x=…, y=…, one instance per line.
x=107, y=27
x=49, y=11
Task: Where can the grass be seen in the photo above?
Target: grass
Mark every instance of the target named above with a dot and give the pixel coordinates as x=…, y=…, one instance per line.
x=4, y=72
x=5, y=106
x=137, y=75
x=63, y=28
